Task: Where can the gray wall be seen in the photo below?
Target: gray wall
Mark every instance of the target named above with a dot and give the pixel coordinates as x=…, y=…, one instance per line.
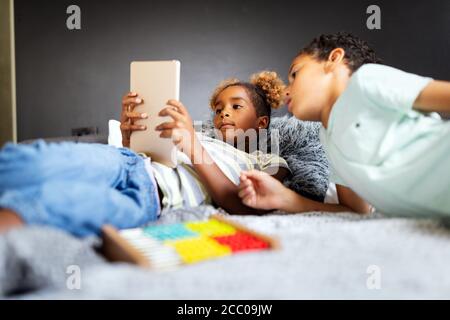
x=68, y=79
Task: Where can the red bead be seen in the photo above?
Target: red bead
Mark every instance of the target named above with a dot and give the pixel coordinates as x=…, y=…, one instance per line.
x=241, y=242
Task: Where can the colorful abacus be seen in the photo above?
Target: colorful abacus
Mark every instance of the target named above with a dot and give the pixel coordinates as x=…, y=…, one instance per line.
x=162, y=246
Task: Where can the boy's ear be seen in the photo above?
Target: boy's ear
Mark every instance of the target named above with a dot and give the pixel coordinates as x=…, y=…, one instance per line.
x=335, y=58
x=263, y=122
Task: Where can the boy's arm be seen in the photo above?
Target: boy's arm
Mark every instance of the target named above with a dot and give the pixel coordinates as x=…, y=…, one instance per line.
x=435, y=97
x=259, y=190
x=348, y=198
x=348, y=201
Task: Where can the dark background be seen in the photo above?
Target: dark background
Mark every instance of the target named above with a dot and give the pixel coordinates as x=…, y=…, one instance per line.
x=69, y=79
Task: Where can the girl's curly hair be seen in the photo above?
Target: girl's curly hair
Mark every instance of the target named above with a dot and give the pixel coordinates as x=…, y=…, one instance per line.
x=265, y=89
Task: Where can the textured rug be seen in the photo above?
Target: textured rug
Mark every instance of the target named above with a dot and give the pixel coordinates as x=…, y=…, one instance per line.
x=323, y=255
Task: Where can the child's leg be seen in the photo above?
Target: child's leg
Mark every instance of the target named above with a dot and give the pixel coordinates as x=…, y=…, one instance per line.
x=25, y=165
x=76, y=187
x=9, y=220
x=79, y=208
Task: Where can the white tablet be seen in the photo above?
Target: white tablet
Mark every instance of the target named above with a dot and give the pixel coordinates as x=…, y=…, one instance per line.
x=155, y=82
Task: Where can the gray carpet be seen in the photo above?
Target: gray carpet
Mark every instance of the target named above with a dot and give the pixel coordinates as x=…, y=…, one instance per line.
x=323, y=256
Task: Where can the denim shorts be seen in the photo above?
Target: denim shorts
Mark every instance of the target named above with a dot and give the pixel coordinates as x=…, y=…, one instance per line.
x=77, y=187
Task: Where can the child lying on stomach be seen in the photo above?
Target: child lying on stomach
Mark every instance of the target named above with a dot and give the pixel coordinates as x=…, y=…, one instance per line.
x=383, y=147
x=80, y=187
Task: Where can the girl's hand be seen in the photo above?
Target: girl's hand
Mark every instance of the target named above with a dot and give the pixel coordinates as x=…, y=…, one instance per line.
x=128, y=117
x=259, y=190
x=181, y=129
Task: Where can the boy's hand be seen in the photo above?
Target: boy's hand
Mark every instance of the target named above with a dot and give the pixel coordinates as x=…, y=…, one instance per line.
x=259, y=190
x=181, y=129
x=128, y=117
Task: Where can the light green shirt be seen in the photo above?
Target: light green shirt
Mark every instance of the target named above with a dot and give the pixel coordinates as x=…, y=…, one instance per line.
x=394, y=157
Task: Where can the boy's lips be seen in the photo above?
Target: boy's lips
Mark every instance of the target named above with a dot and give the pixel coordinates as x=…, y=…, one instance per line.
x=226, y=125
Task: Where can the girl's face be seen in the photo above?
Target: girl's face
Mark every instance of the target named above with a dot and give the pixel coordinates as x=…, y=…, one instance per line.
x=310, y=88
x=234, y=110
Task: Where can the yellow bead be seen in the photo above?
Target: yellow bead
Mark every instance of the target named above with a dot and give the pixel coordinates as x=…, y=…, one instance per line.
x=197, y=249
x=211, y=228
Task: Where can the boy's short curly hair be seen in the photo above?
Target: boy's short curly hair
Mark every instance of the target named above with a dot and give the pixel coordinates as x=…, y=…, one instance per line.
x=357, y=51
x=265, y=89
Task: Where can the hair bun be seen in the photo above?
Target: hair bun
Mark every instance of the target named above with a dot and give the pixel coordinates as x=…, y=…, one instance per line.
x=272, y=86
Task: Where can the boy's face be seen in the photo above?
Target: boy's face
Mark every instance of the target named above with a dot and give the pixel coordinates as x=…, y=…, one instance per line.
x=234, y=110
x=311, y=87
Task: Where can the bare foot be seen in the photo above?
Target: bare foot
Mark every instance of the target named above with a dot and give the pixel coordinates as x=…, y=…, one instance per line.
x=9, y=220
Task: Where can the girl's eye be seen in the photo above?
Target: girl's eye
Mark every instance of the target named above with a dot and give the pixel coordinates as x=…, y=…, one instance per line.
x=236, y=106
x=218, y=111
x=293, y=74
